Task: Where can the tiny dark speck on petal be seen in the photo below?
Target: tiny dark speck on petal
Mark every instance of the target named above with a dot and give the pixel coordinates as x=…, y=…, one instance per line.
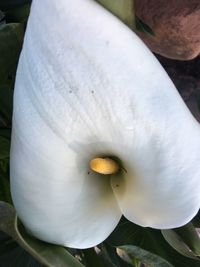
x=70, y=91
x=92, y=92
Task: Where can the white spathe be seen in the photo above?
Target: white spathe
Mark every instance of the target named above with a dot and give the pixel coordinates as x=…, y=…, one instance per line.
x=86, y=86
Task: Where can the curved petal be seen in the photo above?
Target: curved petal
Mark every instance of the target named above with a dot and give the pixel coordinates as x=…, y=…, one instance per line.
x=160, y=187
x=56, y=196
x=87, y=86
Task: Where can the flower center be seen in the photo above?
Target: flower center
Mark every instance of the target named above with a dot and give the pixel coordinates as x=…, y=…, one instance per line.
x=104, y=165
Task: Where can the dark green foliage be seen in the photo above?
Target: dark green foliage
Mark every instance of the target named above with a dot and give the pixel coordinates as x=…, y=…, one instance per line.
x=127, y=233
x=143, y=27
x=11, y=4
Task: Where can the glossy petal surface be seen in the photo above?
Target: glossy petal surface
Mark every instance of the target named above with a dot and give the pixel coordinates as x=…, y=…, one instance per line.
x=56, y=196
x=87, y=87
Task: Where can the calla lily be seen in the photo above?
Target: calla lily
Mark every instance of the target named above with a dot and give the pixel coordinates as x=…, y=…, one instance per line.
x=99, y=130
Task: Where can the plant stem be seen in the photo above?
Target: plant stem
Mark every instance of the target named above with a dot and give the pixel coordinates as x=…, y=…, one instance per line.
x=123, y=9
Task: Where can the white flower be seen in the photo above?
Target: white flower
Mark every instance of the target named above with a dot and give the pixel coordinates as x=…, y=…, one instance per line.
x=87, y=87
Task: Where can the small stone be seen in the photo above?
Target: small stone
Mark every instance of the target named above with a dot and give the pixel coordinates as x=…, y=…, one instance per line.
x=175, y=24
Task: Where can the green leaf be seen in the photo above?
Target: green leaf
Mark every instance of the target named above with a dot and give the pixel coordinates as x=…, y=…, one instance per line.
x=12, y=255
x=47, y=254
x=11, y=38
x=127, y=233
x=143, y=27
x=51, y=255
x=4, y=148
x=196, y=220
x=4, y=186
x=7, y=222
x=190, y=236
x=6, y=133
x=6, y=106
x=92, y=259
x=6, y=245
x=10, y=4
x=18, y=14
x=185, y=240
x=177, y=243
x=124, y=10
x=4, y=169
x=2, y=17
x=132, y=253
x=110, y=255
